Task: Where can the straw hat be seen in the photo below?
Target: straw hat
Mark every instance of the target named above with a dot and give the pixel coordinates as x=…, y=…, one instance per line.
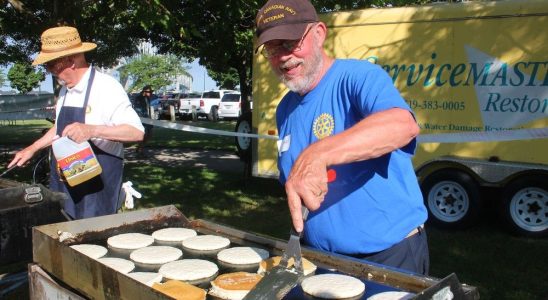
x=61, y=41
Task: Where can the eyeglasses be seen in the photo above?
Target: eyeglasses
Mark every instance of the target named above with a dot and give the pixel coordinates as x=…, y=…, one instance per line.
x=286, y=46
x=56, y=65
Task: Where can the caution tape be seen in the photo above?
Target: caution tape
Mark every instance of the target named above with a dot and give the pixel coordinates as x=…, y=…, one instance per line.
x=178, y=126
x=456, y=137
x=485, y=136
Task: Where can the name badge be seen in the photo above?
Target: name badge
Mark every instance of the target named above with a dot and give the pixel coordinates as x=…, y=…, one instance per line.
x=283, y=145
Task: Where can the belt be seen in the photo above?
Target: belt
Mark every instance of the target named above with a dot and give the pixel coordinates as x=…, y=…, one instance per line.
x=419, y=229
x=415, y=231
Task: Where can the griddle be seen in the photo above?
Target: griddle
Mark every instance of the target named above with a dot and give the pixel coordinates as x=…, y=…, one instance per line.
x=94, y=280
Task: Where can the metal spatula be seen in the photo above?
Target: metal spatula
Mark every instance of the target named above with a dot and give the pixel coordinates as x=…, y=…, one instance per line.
x=8, y=170
x=281, y=279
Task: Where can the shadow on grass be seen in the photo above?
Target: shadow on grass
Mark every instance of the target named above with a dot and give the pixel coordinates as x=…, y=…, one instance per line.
x=258, y=205
x=502, y=266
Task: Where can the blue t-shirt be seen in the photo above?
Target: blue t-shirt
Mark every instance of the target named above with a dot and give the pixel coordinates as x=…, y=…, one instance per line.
x=372, y=204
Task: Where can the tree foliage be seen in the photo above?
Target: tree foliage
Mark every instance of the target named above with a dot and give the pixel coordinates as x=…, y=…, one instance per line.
x=227, y=79
x=24, y=78
x=155, y=70
x=219, y=33
x=113, y=25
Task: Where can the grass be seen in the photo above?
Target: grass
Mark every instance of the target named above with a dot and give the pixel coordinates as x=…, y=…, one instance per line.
x=500, y=265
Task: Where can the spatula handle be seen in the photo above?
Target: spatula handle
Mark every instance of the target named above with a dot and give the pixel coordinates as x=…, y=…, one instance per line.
x=305, y=216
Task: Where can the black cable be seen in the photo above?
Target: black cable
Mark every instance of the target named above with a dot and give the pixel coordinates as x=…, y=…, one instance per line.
x=36, y=168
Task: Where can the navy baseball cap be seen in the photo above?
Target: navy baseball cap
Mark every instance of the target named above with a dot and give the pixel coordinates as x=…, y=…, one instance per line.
x=284, y=20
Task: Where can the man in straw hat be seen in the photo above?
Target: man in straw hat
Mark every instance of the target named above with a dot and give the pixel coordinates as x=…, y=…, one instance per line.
x=91, y=107
x=345, y=115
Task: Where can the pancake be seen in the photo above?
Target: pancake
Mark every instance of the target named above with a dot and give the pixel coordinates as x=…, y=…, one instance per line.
x=148, y=278
x=204, y=245
x=233, y=286
x=392, y=295
x=180, y=291
x=333, y=286
x=245, y=259
x=93, y=251
x=242, y=255
x=206, y=242
x=119, y=264
x=124, y=244
x=153, y=257
x=269, y=263
x=172, y=236
x=193, y=271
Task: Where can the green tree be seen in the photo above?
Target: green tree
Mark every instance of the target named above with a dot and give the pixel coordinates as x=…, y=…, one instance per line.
x=114, y=25
x=227, y=79
x=155, y=70
x=24, y=78
x=219, y=33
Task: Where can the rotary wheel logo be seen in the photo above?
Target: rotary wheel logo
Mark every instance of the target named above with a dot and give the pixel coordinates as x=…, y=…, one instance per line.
x=323, y=126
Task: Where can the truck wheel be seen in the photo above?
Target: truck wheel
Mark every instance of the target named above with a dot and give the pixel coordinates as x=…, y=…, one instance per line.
x=452, y=198
x=213, y=114
x=243, y=144
x=524, y=206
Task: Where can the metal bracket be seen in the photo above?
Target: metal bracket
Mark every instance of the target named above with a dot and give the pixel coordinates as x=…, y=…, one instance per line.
x=33, y=194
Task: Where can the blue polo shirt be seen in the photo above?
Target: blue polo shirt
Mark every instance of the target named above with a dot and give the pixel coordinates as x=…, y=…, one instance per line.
x=372, y=204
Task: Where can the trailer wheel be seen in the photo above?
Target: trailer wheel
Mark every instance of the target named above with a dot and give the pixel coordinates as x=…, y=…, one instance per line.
x=452, y=198
x=524, y=207
x=213, y=114
x=243, y=144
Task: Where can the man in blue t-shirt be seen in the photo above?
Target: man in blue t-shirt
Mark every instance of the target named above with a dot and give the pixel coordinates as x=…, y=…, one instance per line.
x=347, y=116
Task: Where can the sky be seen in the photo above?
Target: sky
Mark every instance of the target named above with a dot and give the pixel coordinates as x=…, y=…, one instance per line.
x=199, y=73
x=201, y=81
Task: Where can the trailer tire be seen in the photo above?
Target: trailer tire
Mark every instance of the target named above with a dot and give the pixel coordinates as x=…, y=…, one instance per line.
x=452, y=198
x=524, y=206
x=243, y=144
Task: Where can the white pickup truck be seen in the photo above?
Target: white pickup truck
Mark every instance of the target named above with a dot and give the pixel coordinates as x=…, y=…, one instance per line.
x=205, y=105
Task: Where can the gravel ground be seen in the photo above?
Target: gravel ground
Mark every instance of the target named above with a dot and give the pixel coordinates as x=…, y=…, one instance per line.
x=223, y=161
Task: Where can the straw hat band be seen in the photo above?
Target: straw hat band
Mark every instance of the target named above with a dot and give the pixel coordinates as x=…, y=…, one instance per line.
x=56, y=45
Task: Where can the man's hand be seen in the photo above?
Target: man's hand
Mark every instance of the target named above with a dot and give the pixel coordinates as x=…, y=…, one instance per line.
x=78, y=132
x=306, y=184
x=23, y=156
